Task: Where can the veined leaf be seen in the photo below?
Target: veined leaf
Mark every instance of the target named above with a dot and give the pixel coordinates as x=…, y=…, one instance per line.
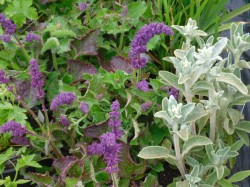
x=155, y=152
x=63, y=33
x=195, y=141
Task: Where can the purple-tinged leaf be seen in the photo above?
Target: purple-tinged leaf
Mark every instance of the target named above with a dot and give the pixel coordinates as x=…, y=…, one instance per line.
x=77, y=68
x=26, y=92
x=127, y=166
x=105, y=64
x=63, y=165
x=87, y=45
x=97, y=130
x=121, y=63
x=42, y=180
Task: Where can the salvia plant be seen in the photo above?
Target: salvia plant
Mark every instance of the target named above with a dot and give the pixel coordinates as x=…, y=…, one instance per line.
x=81, y=102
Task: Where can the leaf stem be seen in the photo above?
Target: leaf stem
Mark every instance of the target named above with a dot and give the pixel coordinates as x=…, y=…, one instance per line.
x=89, y=19
x=121, y=42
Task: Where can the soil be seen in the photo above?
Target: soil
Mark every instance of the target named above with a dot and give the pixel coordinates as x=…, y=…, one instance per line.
x=166, y=177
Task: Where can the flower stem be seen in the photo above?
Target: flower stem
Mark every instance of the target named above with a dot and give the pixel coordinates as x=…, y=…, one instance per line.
x=212, y=125
x=115, y=180
x=25, y=53
x=89, y=19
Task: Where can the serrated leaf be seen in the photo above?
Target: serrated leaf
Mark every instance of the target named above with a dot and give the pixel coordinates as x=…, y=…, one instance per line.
x=18, y=114
x=155, y=152
x=121, y=63
x=136, y=9
x=51, y=43
x=87, y=45
x=63, y=33
x=231, y=79
x=78, y=68
x=195, y=141
x=40, y=178
x=239, y=176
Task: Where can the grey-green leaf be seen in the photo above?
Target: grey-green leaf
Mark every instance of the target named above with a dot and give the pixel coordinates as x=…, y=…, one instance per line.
x=231, y=79
x=171, y=79
x=155, y=152
x=51, y=43
x=195, y=141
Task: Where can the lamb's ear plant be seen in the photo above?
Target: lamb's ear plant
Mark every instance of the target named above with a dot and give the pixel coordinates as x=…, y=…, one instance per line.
x=206, y=128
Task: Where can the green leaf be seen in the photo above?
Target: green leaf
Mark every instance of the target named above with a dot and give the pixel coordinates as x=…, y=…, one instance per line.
x=171, y=79
x=19, y=10
x=136, y=9
x=21, y=181
x=244, y=126
x=239, y=176
x=196, y=114
x=51, y=43
x=63, y=33
x=18, y=114
x=195, y=141
x=155, y=152
x=150, y=181
x=219, y=171
x=231, y=79
x=243, y=136
x=224, y=183
x=201, y=86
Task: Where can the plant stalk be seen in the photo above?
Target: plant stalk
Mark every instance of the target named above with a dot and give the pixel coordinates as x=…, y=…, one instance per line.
x=54, y=60
x=178, y=155
x=212, y=125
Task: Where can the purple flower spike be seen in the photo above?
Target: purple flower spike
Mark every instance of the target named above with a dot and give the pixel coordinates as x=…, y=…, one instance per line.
x=141, y=39
x=143, y=86
x=82, y=6
x=36, y=78
x=61, y=99
x=9, y=26
x=114, y=120
x=17, y=130
x=111, y=151
x=174, y=92
x=84, y=107
x=3, y=78
x=64, y=121
x=32, y=37
x=2, y=18
x=146, y=106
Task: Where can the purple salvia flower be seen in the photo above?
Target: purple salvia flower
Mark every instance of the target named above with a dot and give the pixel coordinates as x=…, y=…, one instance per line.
x=3, y=78
x=114, y=120
x=82, y=6
x=146, y=106
x=64, y=120
x=17, y=130
x=61, y=99
x=2, y=18
x=5, y=37
x=95, y=149
x=84, y=107
x=36, y=78
x=141, y=39
x=32, y=37
x=9, y=26
x=174, y=92
x=143, y=86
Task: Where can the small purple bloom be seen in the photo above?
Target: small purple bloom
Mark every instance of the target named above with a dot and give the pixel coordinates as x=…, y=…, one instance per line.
x=99, y=97
x=174, y=92
x=82, y=6
x=114, y=120
x=5, y=37
x=32, y=37
x=143, y=86
x=17, y=130
x=36, y=78
x=146, y=106
x=84, y=107
x=64, y=121
x=3, y=78
x=95, y=149
x=9, y=26
x=141, y=39
x=61, y=99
